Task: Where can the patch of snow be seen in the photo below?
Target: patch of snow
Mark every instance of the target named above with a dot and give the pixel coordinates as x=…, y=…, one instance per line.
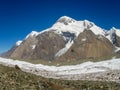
x=33, y=46
x=109, y=38
x=33, y=33
x=18, y=43
x=118, y=32
x=84, y=39
x=117, y=49
x=65, y=49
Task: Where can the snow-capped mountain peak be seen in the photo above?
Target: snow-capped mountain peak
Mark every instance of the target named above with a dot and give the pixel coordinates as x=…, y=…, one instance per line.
x=112, y=35
x=115, y=30
x=67, y=24
x=88, y=24
x=66, y=20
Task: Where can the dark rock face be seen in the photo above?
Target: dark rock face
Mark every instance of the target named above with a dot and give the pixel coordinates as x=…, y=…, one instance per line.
x=114, y=38
x=88, y=45
x=48, y=45
x=117, y=43
x=68, y=36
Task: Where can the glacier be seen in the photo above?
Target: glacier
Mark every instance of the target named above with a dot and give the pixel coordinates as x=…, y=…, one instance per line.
x=58, y=71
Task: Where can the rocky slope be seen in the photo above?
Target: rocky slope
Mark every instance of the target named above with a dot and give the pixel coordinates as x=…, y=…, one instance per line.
x=68, y=39
x=88, y=46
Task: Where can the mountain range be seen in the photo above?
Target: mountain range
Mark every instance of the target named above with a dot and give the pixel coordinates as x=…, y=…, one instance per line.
x=68, y=39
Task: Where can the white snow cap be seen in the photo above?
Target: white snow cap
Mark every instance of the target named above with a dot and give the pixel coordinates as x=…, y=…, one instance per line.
x=113, y=30
x=88, y=24
x=18, y=43
x=67, y=24
x=33, y=33
x=66, y=20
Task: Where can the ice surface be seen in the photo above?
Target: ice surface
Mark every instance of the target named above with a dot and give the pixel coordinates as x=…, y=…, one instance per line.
x=86, y=67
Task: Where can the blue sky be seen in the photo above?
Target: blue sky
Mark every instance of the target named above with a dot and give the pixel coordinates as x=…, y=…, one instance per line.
x=20, y=17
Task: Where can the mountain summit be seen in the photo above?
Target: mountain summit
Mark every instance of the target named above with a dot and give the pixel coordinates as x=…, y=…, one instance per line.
x=68, y=39
x=66, y=20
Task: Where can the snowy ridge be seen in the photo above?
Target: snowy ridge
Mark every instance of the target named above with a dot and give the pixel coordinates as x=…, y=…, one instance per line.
x=77, y=27
x=74, y=26
x=33, y=33
x=97, y=30
x=111, y=34
x=117, y=31
x=18, y=43
x=66, y=20
x=117, y=49
x=52, y=71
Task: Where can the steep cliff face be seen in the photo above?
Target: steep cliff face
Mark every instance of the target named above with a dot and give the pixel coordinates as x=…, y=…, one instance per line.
x=68, y=39
x=49, y=43
x=88, y=46
x=115, y=37
x=117, y=41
